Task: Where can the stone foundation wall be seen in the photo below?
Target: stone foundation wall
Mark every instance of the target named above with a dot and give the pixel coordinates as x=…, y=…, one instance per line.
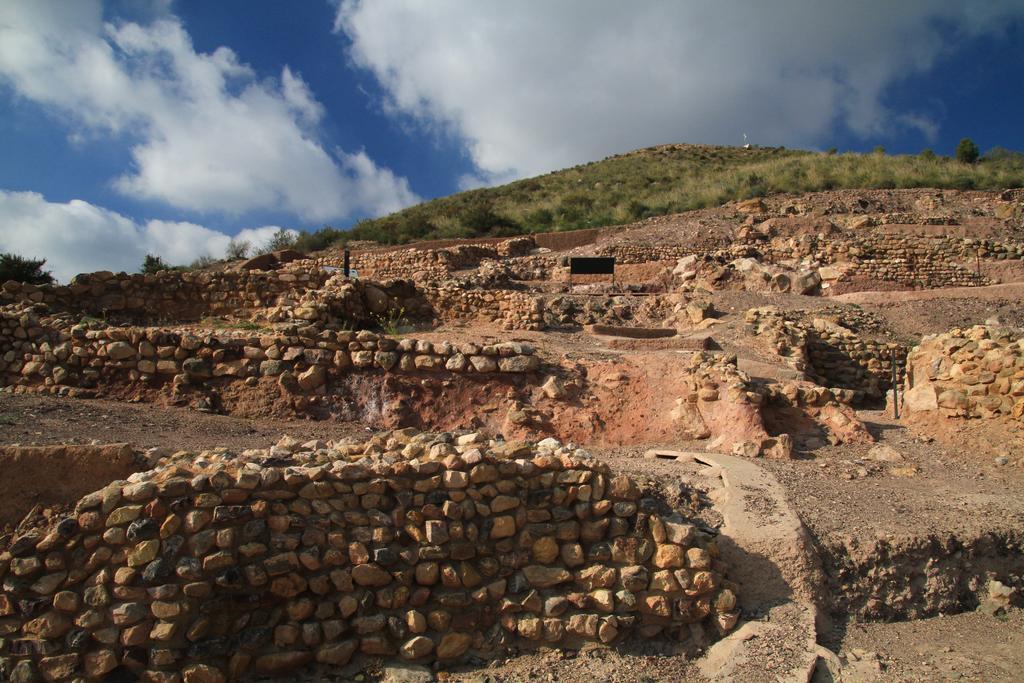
x=512, y=309
x=626, y=253
x=915, y=260
x=972, y=372
x=168, y=294
x=177, y=296
x=214, y=567
x=36, y=355
x=829, y=354
x=427, y=265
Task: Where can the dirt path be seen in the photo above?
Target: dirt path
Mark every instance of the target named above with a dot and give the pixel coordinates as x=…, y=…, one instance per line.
x=38, y=420
x=1012, y=290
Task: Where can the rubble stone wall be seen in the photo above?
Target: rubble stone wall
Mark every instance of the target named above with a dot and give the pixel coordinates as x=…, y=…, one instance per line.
x=916, y=260
x=972, y=372
x=35, y=355
x=637, y=253
x=829, y=354
x=426, y=265
x=512, y=309
x=178, y=296
x=425, y=551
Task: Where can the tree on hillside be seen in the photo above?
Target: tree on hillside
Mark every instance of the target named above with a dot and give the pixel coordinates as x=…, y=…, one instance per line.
x=238, y=249
x=967, y=152
x=282, y=239
x=21, y=269
x=927, y=153
x=153, y=264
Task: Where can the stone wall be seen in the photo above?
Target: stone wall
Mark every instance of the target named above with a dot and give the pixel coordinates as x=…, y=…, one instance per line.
x=34, y=354
x=184, y=296
x=913, y=260
x=830, y=354
x=512, y=309
x=640, y=253
x=426, y=265
x=972, y=372
x=215, y=566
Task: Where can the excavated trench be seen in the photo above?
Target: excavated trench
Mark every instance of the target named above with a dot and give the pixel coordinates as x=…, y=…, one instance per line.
x=919, y=576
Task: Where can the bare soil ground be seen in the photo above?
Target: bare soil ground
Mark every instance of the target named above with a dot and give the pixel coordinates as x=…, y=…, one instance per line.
x=963, y=647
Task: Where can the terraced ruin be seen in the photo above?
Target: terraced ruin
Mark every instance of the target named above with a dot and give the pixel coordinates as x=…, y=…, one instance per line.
x=780, y=444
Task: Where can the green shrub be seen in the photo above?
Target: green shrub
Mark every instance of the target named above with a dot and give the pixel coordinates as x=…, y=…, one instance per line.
x=967, y=152
x=927, y=154
x=153, y=264
x=21, y=269
x=238, y=249
x=542, y=217
x=318, y=239
x=282, y=239
x=481, y=218
x=204, y=261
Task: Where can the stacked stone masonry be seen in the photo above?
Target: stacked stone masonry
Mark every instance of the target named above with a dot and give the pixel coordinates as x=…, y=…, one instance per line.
x=512, y=309
x=974, y=372
x=426, y=265
x=830, y=354
x=34, y=354
x=178, y=296
x=913, y=260
x=218, y=566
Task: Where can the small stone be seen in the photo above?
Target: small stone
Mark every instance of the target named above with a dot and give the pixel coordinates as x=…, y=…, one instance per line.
x=370, y=575
x=545, y=577
x=201, y=673
x=669, y=556
x=504, y=527
x=144, y=553
x=99, y=663
x=453, y=645
x=545, y=550
x=417, y=647
x=337, y=654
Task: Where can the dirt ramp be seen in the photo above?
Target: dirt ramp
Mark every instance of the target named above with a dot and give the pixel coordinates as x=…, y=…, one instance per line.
x=56, y=476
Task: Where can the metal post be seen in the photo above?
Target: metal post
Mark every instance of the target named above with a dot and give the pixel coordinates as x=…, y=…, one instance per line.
x=895, y=391
x=346, y=268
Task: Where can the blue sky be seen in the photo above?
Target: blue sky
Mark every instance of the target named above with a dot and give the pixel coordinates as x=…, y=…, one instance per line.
x=133, y=127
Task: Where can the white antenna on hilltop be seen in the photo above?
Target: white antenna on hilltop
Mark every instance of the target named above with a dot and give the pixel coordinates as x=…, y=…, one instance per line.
x=746, y=145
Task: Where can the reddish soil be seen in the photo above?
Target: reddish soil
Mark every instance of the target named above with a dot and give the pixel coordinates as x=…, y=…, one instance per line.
x=28, y=479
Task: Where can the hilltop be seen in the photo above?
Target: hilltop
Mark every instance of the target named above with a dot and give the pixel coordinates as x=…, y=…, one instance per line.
x=669, y=179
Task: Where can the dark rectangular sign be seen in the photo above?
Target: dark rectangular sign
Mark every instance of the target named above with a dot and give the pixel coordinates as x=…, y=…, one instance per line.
x=592, y=265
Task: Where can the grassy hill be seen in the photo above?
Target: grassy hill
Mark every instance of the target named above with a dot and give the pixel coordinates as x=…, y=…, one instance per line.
x=666, y=179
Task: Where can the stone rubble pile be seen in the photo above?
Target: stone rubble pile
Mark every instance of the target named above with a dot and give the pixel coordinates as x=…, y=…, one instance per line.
x=216, y=565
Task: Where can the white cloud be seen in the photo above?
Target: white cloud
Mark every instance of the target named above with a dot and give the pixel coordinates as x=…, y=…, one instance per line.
x=207, y=135
x=534, y=85
x=77, y=236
